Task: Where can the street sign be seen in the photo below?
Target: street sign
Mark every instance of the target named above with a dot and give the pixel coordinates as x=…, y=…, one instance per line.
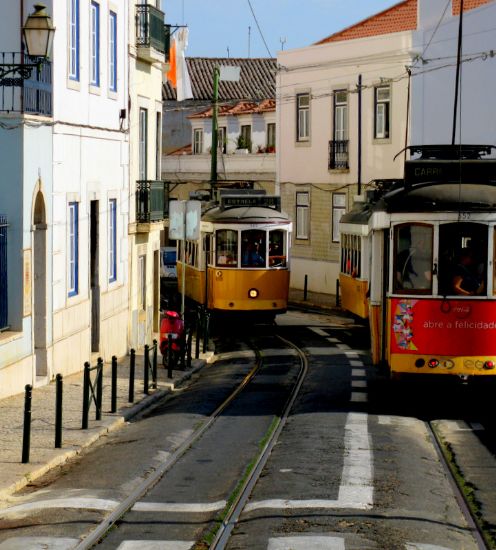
x=193, y=217
x=177, y=211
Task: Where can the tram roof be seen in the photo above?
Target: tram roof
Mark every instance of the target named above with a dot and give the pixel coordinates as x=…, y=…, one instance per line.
x=245, y=214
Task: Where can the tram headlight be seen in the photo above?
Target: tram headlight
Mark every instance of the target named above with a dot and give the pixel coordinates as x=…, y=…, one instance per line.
x=433, y=363
x=253, y=293
x=488, y=365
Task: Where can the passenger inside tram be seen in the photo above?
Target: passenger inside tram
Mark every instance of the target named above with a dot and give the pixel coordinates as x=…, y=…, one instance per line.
x=252, y=249
x=413, y=258
x=468, y=278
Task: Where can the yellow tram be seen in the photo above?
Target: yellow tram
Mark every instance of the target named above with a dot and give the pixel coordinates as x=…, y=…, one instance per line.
x=240, y=263
x=417, y=261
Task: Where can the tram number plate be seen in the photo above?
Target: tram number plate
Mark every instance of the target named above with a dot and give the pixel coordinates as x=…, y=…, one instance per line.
x=465, y=216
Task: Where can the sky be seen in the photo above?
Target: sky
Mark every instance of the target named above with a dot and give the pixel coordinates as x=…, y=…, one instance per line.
x=216, y=26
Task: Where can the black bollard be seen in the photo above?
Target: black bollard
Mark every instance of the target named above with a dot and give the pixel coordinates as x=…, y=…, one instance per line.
x=58, y=410
x=132, y=366
x=188, y=348
x=305, y=288
x=86, y=395
x=99, y=389
x=154, y=363
x=113, y=400
x=206, y=331
x=197, y=331
x=337, y=293
x=26, y=433
x=146, y=369
x=170, y=355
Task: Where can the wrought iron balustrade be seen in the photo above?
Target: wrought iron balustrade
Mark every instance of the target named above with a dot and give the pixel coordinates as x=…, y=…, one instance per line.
x=152, y=201
x=150, y=28
x=338, y=155
x=32, y=95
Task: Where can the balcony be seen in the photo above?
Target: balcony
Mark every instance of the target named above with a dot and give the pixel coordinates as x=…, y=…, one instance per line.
x=152, y=201
x=338, y=155
x=34, y=95
x=152, y=36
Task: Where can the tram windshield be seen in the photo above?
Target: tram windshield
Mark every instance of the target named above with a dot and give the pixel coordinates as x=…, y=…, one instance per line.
x=462, y=259
x=277, y=252
x=253, y=248
x=226, y=248
x=413, y=258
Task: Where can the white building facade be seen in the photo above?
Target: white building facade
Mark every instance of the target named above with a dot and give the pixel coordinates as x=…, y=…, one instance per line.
x=67, y=183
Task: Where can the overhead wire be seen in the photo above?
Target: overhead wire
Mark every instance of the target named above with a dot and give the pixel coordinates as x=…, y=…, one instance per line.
x=259, y=29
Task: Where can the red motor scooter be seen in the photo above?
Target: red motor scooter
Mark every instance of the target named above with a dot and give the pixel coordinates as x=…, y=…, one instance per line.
x=171, y=329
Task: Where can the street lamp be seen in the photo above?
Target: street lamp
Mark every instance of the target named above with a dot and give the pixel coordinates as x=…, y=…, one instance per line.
x=38, y=34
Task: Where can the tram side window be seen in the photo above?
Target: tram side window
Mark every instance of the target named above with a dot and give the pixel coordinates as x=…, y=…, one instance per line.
x=253, y=247
x=413, y=258
x=462, y=259
x=191, y=253
x=277, y=253
x=351, y=255
x=226, y=248
x=207, y=247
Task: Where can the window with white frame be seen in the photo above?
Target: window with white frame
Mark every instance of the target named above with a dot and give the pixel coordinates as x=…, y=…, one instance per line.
x=302, y=117
x=302, y=215
x=112, y=51
x=73, y=249
x=271, y=135
x=222, y=139
x=338, y=209
x=74, y=39
x=112, y=236
x=143, y=143
x=245, y=136
x=198, y=141
x=142, y=282
x=95, y=44
x=340, y=115
x=382, y=100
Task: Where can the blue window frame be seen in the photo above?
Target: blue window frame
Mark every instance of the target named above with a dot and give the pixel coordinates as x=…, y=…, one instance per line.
x=112, y=245
x=113, y=51
x=95, y=44
x=74, y=40
x=73, y=248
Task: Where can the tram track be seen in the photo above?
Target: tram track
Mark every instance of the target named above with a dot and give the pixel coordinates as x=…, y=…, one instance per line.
x=240, y=495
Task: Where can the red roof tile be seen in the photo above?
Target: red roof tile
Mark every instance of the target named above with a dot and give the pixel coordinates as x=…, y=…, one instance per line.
x=240, y=108
x=467, y=5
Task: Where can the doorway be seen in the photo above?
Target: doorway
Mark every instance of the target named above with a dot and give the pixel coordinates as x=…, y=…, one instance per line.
x=39, y=286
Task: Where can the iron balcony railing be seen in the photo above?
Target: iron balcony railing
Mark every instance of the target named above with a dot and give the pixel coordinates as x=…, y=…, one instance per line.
x=32, y=95
x=3, y=275
x=152, y=201
x=338, y=155
x=150, y=28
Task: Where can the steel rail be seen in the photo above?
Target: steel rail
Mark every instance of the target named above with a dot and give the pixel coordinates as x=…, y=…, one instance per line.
x=471, y=518
x=237, y=507
x=122, y=508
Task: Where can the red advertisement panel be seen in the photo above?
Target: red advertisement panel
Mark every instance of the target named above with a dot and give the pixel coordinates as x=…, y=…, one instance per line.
x=443, y=327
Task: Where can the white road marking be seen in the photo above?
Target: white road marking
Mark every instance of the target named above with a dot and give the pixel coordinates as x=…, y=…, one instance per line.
x=185, y=507
x=305, y=542
x=420, y=546
x=358, y=397
x=356, y=488
x=38, y=543
x=351, y=353
x=277, y=351
x=358, y=372
x=359, y=383
x=343, y=346
x=333, y=340
x=319, y=331
x=325, y=351
x=234, y=355
x=477, y=427
x=396, y=420
x=80, y=503
x=355, y=363
x=285, y=470
x=155, y=545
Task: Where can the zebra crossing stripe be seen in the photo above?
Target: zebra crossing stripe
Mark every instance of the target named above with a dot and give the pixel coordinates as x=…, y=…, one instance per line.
x=156, y=545
x=315, y=542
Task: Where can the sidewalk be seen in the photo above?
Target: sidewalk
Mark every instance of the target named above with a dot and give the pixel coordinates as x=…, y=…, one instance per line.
x=43, y=456
x=313, y=301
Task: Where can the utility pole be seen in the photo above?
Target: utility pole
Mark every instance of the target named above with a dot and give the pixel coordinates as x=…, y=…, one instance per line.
x=458, y=63
x=282, y=40
x=213, y=150
x=249, y=39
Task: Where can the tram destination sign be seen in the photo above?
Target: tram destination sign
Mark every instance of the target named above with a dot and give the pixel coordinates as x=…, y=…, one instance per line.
x=439, y=171
x=263, y=201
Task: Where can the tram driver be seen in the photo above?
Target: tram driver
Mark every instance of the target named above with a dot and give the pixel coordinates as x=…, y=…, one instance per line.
x=468, y=279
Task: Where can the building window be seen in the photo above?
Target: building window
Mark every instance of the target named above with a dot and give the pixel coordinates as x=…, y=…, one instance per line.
x=73, y=248
x=197, y=141
x=222, y=139
x=112, y=51
x=95, y=44
x=302, y=117
x=74, y=40
x=340, y=115
x=143, y=143
x=158, y=146
x=245, y=138
x=112, y=245
x=142, y=282
x=271, y=137
x=382, y=98
x=302, y=215
x=338, y=209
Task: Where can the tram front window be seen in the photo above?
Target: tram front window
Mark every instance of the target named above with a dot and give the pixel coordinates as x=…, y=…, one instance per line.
x=226, y=248
x=413, y=258
x=462, y=259
x=277, y=256
x=253, y=248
